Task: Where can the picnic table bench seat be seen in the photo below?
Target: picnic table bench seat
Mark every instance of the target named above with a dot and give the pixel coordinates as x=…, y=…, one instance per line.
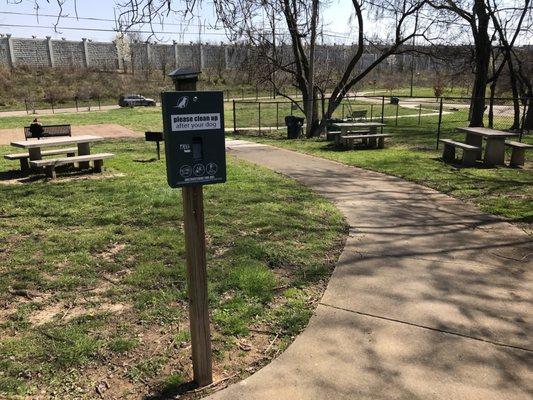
x=369, y=139
x=470, y=153
x=518, y=152
x=50, y=131
x=23, y=157
x=330, y=135
x=50, y=164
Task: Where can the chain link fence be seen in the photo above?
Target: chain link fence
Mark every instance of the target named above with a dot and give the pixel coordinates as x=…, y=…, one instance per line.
x=415, y=121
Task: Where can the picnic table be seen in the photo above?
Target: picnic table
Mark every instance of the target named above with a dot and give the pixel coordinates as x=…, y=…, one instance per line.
x=495, y=143
x=35, y=152
x=369, y=128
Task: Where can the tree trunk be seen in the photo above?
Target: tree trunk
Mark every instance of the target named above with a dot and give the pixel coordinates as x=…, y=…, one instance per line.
x=491, y=104
x=482, y=55
x=516, y=100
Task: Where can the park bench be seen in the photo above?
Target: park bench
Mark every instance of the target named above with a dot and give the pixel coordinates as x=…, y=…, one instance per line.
x=370, y=139
x=50, y=131
x=50, y=164
x=358, y=115
x=518, y=152
x=24, y=157
x=470, y=153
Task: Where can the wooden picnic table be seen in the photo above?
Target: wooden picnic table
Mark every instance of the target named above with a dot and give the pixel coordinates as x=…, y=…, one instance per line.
x=346, y=127
x=34, y=146
x=495, y=147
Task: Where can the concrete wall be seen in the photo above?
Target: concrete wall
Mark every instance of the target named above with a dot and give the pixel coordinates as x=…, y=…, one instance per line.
x=141, y=56
x=31, y=52
x=102, y=55
x=68, y=53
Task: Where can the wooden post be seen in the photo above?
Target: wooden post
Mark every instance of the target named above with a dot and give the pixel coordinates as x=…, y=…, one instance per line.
x=193, y=216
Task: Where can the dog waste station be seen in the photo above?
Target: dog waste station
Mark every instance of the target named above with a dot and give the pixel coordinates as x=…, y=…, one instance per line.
x=193, y=124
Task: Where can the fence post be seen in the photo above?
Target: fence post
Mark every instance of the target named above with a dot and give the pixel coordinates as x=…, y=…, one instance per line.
x=527, y=105
x=371, y=111
x=397, y=110
x=382, y=111
x=234, y=118
x=259, y=116
x=440, y=122
x=342, y=112
x=419, y=113
x=277, y=115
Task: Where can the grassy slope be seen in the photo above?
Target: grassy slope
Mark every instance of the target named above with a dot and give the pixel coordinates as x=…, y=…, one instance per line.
x=103, y=261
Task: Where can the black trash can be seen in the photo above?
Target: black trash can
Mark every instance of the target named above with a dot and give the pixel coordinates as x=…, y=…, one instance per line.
x=294, y=126
x=394, y=100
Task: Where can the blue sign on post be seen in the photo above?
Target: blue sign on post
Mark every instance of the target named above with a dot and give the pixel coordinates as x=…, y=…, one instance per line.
x=193, y=123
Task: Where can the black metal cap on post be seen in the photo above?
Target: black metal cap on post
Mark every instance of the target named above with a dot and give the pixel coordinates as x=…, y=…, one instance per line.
x=185, y=78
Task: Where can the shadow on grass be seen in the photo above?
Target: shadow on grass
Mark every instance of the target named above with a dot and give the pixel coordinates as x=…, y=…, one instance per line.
x=143, y=161
x=172, y=391
x=26, y=177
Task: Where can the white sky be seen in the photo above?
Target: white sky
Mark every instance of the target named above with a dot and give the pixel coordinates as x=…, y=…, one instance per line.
x=336, y=18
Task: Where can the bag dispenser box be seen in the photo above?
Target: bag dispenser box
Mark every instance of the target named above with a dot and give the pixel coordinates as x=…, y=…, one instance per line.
x=193, y=123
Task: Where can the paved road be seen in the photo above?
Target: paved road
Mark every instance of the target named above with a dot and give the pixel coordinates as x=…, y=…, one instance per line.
x=69, y=110
x=430, y=299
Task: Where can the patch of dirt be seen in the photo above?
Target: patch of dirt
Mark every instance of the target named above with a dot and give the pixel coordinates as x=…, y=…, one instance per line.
x=15, y=298
x=66, y=311
x=112, y=250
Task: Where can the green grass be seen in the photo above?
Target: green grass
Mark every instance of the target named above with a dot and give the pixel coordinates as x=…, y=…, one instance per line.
x=104, y=261
x=411, y=154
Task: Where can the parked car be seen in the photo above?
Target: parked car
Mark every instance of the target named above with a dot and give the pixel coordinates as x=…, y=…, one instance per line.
x=132, y=100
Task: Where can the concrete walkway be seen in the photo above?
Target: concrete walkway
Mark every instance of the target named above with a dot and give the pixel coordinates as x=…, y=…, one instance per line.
x=430, y=299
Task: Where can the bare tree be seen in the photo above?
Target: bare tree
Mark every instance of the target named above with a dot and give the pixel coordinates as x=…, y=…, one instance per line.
x=285, y=34
x=477, y=18
x=508, y=22
x=487, y=21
